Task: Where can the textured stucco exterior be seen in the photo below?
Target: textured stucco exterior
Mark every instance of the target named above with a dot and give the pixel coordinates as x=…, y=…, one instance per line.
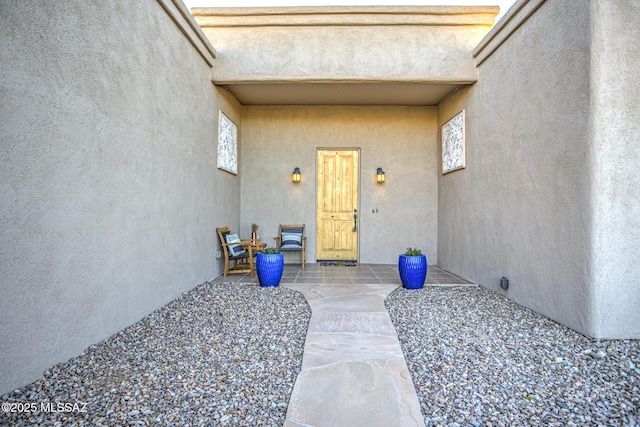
x=402, y=140
x=615, y=164
x=549, y=197
x=109, y=191
x=345, y=43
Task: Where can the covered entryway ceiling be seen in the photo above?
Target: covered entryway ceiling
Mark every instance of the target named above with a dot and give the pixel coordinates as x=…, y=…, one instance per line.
x=422, y=94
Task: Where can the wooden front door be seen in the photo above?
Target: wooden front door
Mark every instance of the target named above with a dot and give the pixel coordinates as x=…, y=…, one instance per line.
x=337, y=205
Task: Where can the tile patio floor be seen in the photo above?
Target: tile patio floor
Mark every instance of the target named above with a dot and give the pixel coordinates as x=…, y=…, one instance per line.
x=369, y=274
x=353, y=371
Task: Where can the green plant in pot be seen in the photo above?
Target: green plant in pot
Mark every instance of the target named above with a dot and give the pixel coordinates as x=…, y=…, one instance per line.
x=270, y=265
x=412, y=266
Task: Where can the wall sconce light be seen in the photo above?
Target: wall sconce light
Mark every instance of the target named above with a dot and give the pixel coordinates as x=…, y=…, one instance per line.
x=380, y=175
x=296, y=175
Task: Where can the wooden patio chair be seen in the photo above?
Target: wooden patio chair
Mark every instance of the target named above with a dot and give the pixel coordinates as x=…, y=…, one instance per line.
x=291, y=238
x=238, y=254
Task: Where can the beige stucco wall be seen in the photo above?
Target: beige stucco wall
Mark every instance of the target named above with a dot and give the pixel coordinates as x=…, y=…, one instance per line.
x=544, y=200
x=345, y=43
x=401, y=140
x=108, y=182
x=615, y=163
x=520, y=209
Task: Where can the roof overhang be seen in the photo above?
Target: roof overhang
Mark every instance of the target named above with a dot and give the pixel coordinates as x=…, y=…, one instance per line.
x=374, y=55
x=384, y=93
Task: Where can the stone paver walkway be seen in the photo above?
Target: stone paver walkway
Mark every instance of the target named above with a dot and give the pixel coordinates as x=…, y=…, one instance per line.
x=353, y=370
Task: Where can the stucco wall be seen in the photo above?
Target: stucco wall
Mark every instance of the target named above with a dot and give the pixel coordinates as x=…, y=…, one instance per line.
x=346, y=43
x=108, y=181
x=401, y=140
x=615, y=132
x=521, y=208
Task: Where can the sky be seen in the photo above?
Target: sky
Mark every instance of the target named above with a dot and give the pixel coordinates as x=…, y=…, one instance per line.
x=504, y=4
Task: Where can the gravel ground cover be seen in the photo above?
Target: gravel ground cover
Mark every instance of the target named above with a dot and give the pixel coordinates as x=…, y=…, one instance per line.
x=219, y=355
x=478, y=359
x=228, y=355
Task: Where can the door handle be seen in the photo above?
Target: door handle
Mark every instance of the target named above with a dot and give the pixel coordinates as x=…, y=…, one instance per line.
x=355, y=220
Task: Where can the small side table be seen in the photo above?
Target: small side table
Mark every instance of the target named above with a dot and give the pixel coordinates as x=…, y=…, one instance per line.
x=257, y=246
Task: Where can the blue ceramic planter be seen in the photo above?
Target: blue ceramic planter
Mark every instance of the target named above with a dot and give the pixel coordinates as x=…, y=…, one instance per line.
x=413, y=271
x=270, y=267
